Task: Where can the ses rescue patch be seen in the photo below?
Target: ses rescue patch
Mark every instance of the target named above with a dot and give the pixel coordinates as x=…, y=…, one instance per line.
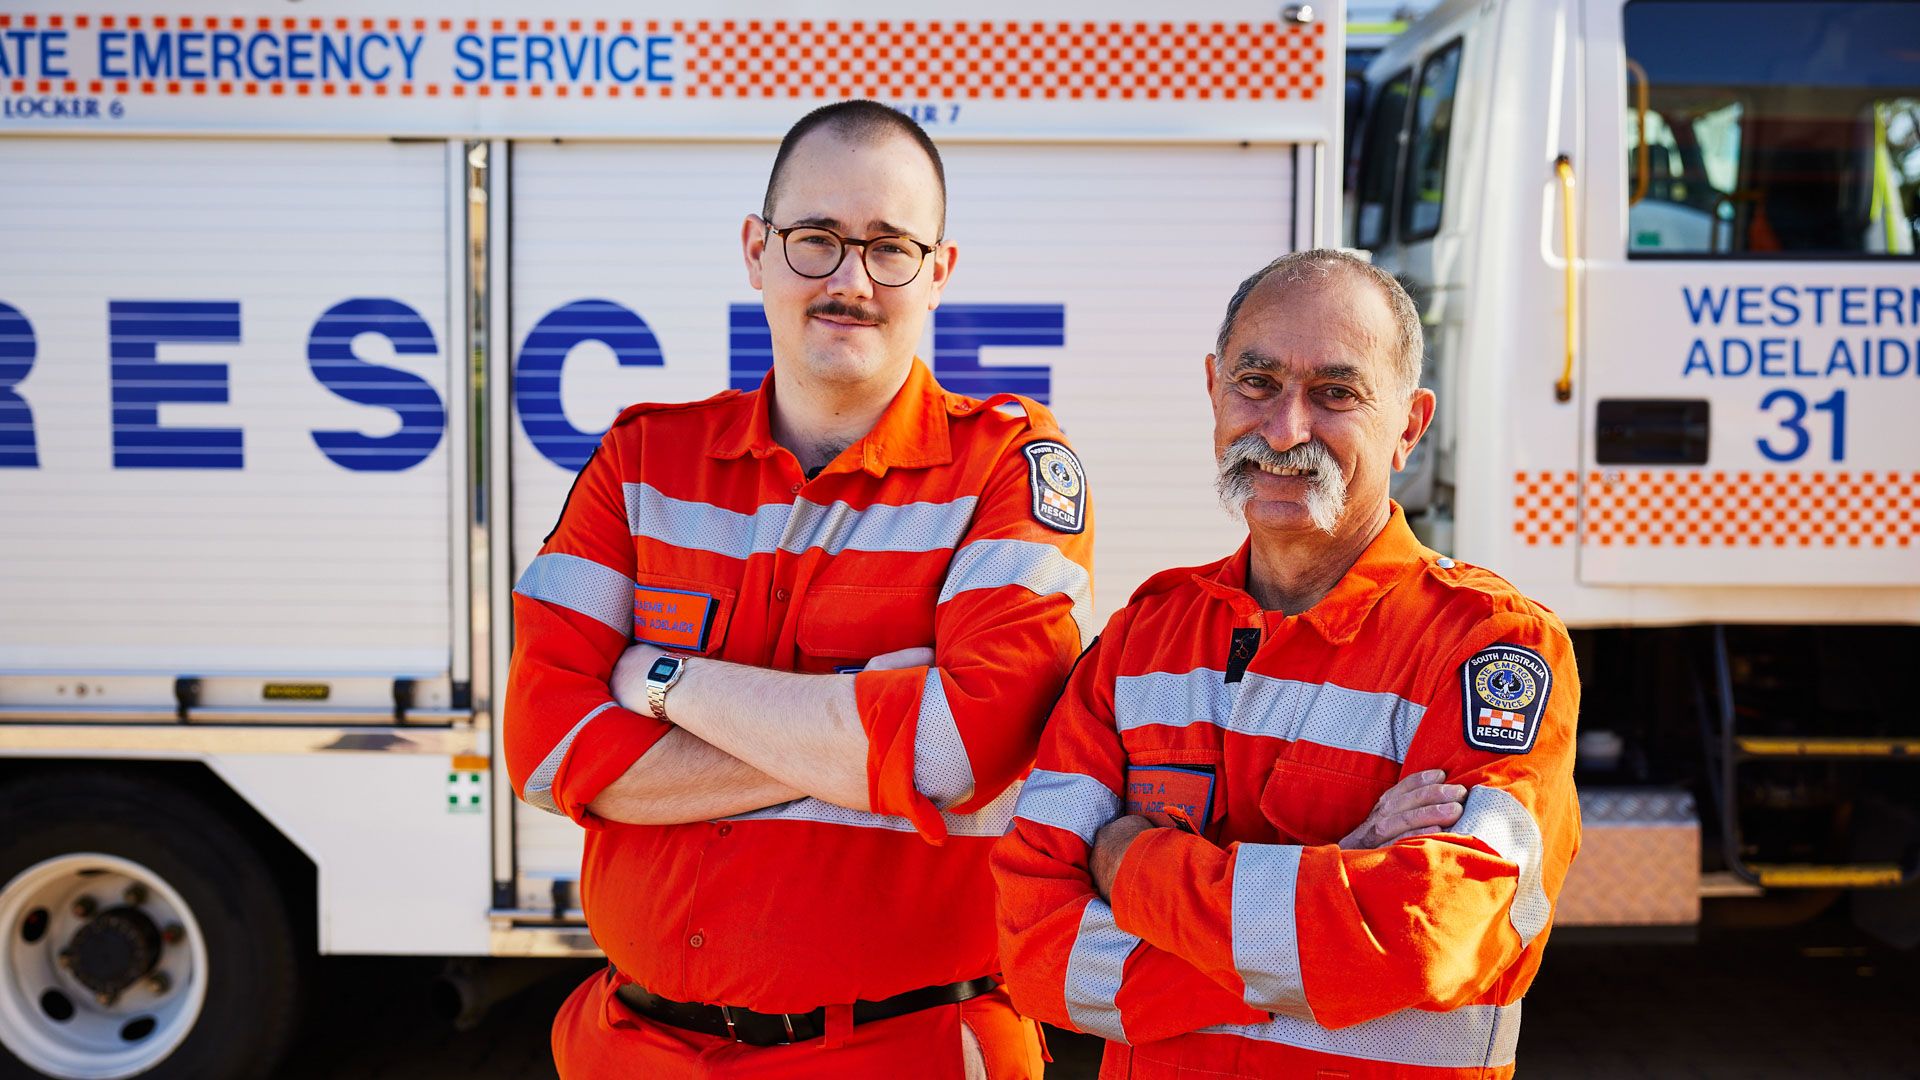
x=1503, y=693
x=1059, y=486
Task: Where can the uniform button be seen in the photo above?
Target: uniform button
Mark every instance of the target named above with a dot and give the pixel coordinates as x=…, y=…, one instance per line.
x=696, y=941
x=781, y=595
x=796, y=489
x=1443, y=563
x=726, y=830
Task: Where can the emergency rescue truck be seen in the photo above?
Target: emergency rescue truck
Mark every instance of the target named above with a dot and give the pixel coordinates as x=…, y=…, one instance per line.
x=308, y=313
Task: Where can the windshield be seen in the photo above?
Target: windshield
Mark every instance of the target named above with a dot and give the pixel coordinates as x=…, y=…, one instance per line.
x=1773, y=129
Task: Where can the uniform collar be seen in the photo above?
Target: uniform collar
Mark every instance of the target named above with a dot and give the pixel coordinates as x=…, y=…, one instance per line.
x=1338, y=615
x=911, y=434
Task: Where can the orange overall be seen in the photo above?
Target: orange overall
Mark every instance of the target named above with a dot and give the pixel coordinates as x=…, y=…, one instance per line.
x=692, y=529
x=1259, y=947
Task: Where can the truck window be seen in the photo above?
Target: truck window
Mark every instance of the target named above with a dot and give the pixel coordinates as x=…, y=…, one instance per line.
x=1424, y=191
x=1380, y=161
x=1773, y=130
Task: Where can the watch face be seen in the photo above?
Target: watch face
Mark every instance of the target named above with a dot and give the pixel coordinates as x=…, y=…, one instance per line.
x=662, y=668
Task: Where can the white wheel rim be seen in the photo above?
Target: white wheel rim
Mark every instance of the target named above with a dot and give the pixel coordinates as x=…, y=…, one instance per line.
x=92, y=1043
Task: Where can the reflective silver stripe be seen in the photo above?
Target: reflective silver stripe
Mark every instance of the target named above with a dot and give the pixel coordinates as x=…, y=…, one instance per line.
x=1266, y=942
x=1074, y=802
x=990, y=820
x=1498, y=819
x=1041, y=569
x=922, y=526
x=941, y=770
x=1469, y=1037
x=698, y=526
x=582, y=585
x=539, y=792
x=1094, y=968
x=1368, y=722
x=1175, y=699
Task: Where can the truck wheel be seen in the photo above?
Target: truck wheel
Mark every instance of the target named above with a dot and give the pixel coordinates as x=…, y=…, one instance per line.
x=144, y=936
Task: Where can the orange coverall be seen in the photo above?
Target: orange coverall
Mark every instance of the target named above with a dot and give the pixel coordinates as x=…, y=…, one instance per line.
x=1261, y=948
x=693, y=529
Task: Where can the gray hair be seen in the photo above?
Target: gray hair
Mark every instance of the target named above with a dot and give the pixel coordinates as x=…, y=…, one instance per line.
x=1314, y=269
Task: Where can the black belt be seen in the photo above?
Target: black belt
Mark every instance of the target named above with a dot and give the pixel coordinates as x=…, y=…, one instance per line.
x=776, y=1029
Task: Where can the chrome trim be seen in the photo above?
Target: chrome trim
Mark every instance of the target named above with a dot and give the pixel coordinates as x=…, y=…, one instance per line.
x=205, y=740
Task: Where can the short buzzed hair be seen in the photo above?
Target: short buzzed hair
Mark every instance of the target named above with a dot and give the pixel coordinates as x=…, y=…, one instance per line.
x=1314, y=269
x=858, y=121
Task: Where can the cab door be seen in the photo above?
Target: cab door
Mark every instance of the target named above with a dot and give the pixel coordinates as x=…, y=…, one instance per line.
x=1750, y=351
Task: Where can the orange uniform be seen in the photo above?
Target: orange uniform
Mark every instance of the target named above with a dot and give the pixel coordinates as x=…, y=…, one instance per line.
x=1260, y=947
x=954, y=524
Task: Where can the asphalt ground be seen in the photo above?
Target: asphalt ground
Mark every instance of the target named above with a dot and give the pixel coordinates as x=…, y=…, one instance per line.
x=1817, y=1000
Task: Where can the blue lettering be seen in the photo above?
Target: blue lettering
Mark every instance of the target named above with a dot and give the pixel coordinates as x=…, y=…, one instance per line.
x=407, y=55
x=366, y=69
x=575, y=61
x=191, y=48
x=336, y=54
x=1819, y=294
x=1772, y=352
x=658, y=57
x=1697, y=358
x=1853, y=299
x=1727, y=347
x=1887, y=371
x=1794, y=424
x=749, y=346
x=17, y=348
x=536, y=371
x=613, y=60
x=53, y=47
x=1785, y=300
x=151, y=58
x=1708, y=303
x=254, y=67
x=466, y=51
x=961, y=331
x=540, y=51
x=18, y=66
x=423, y=418
x=1841, y=359
x=141, y=383
x=1746, y=303
x=299, y=51
x=113, y=50
x=226, y=54
x=503, y=56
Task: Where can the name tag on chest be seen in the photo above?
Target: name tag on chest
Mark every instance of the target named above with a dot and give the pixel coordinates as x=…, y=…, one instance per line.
x=1161, y=789
x=672, y=618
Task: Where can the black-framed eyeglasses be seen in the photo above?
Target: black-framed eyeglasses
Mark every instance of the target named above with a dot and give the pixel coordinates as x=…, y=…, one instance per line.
x=814, y=252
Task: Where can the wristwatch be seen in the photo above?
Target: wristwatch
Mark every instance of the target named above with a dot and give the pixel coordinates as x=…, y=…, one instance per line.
x=660, y=678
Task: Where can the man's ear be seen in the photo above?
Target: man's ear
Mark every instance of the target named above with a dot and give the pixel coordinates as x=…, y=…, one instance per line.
x=753, y=247
x=943, y=262
x=1419, y=416
x=1213, y=374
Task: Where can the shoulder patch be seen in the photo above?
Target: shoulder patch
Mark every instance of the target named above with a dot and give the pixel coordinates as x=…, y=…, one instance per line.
x=1503, y=693
x=1059, y=486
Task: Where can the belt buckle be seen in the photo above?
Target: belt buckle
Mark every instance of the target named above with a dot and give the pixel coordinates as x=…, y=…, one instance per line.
x=727, y=1015
x=787, y=1019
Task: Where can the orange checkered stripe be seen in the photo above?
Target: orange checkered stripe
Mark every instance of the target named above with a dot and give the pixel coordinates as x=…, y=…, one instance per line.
x=945, y=61
x=1718, y=509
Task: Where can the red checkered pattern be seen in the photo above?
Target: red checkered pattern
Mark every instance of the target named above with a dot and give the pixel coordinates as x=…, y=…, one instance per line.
x=1655, y=508
x=1502, y=718
x=940, y=61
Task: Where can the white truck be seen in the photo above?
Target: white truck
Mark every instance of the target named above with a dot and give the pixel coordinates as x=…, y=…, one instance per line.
x=308, y=312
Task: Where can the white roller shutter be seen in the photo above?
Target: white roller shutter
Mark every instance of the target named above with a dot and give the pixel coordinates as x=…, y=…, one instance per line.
x=290, y=562
x=1139, y=245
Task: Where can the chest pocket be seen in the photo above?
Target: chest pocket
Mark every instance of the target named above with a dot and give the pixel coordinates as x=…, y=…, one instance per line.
x=681, y=614
x=844, y=625
x=1315, y=802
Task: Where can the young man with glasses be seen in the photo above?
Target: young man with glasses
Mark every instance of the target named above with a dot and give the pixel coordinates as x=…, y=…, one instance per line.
x=787, y=654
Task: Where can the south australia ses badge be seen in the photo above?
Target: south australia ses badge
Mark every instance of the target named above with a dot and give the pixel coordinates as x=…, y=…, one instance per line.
x=1059, y=486
x=1503, y=691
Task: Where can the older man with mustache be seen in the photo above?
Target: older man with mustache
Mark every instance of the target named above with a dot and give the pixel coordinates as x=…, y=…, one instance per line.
x=1193, y=871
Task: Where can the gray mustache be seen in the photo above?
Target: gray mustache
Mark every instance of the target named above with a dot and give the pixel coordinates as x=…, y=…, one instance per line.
x=1251, y=451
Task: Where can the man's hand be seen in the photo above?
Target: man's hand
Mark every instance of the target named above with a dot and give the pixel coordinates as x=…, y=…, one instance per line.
x=1110, y=845
x=902, y=658
x=1419, y=804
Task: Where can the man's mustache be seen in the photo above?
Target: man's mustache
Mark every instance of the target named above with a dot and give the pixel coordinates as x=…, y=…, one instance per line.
x=840, y=309
x=1251, y=451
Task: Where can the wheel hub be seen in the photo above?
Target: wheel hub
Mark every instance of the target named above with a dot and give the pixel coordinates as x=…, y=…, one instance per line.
x=115, y=949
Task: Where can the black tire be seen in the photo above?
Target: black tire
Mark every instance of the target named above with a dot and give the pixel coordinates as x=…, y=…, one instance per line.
x=253, y=963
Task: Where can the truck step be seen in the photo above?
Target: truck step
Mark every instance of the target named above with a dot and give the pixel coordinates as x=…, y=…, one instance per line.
x=1840, y=746
x=1836, y=876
